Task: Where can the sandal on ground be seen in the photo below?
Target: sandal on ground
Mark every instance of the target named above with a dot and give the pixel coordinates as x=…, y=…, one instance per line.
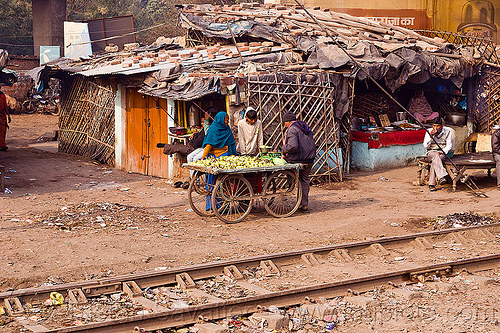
x=432, y=188
x=177, y=184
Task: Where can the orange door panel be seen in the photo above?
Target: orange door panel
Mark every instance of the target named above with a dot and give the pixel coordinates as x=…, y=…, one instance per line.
x=157, y=132
x=136, y=132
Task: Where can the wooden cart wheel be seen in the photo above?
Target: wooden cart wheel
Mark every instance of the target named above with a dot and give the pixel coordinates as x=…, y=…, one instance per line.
x=282, y=193
x=233, y=197
x=200, y=193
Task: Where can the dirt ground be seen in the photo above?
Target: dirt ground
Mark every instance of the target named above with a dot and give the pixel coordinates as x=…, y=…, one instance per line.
x=69, y=218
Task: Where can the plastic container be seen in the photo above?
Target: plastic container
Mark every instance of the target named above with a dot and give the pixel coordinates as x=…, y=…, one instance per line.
x=193, y=117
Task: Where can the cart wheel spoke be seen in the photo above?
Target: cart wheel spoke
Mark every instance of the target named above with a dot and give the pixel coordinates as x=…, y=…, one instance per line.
x=229, y=212
x=233, y=198
x=241, y=189
x=200, y=192
x=282, y=193
x=225, y=192
x=224, y=208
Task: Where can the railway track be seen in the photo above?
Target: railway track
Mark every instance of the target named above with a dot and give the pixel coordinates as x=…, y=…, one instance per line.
x=314, y=273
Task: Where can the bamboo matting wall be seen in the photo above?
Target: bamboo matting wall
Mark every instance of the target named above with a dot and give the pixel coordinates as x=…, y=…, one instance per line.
x=312, y=98
x=86, y=123
x=369, y=104
x=487, y=99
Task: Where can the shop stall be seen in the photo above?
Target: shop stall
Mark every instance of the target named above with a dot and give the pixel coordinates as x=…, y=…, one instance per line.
x=386, y=148
x=385, y=136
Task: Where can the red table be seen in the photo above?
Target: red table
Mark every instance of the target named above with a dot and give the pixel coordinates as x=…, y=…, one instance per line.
x=387, y=139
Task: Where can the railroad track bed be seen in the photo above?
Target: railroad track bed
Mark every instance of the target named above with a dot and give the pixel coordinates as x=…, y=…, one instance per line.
x=99, y=309
x=315, y=289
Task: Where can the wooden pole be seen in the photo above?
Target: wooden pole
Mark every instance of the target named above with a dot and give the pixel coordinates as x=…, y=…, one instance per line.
x=234, y=41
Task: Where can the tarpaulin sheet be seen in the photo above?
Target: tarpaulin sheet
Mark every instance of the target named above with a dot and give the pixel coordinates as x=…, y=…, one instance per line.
x=236, y=27
x=394, y=68
x=239, y=28
x=397, y=138
x=184, y=89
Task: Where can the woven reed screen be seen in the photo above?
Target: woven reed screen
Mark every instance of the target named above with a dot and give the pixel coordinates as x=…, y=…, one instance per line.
x=369, y=104
x=487, y=99
x=86, y=123
x=312, y=98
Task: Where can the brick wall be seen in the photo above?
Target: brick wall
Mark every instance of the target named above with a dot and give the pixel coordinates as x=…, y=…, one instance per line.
x=22, y=63
x=19, y=89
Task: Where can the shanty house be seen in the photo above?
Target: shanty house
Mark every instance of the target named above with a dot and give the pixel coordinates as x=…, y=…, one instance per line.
x=118, y=106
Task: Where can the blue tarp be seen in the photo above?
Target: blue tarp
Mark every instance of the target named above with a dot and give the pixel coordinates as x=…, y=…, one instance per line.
x=238, y=28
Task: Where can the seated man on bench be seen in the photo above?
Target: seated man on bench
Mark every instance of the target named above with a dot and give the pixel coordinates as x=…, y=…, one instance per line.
x=446, y=138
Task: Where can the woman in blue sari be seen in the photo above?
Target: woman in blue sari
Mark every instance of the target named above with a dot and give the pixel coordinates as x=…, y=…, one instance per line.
x=219, y=141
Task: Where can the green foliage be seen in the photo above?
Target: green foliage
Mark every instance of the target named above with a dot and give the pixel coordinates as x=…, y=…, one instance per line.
x=78, y=10
x=147, y=13
x=155, y=12
x=16, y=26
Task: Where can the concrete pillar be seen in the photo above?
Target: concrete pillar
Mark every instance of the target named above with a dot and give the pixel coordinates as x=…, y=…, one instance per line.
x=120, y=127
x=170, y=123
x=48, y=23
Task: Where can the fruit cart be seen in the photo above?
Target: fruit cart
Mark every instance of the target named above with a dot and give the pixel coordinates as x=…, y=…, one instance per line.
x=230, y=194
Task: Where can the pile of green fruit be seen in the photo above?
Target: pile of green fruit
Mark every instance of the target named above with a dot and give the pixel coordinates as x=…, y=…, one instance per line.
x=238, y=162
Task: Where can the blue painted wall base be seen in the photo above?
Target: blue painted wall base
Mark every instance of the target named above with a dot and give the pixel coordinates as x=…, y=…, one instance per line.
x=391, y=157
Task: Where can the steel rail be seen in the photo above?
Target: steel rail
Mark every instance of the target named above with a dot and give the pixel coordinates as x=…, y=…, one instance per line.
x=242, y=306
x=212, y=269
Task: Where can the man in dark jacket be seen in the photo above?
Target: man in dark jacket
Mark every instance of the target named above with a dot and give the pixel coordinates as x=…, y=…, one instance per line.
x=495, y=148
x=299, y=147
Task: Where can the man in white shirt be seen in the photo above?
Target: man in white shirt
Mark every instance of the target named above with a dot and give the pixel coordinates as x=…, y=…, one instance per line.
x=446, y=138
x=250, y=136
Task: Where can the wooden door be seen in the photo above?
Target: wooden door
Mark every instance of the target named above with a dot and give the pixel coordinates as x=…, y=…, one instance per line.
x=157, y=133
x=136, y=132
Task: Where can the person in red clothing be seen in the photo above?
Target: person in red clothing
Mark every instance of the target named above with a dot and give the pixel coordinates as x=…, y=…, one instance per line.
x=4, y=120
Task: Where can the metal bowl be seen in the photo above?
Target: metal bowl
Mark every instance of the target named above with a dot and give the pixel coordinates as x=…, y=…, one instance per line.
x=177, y=130
x=457, y=119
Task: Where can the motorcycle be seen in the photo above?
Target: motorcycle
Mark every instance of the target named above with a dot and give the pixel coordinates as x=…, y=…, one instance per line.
x=37, y=103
